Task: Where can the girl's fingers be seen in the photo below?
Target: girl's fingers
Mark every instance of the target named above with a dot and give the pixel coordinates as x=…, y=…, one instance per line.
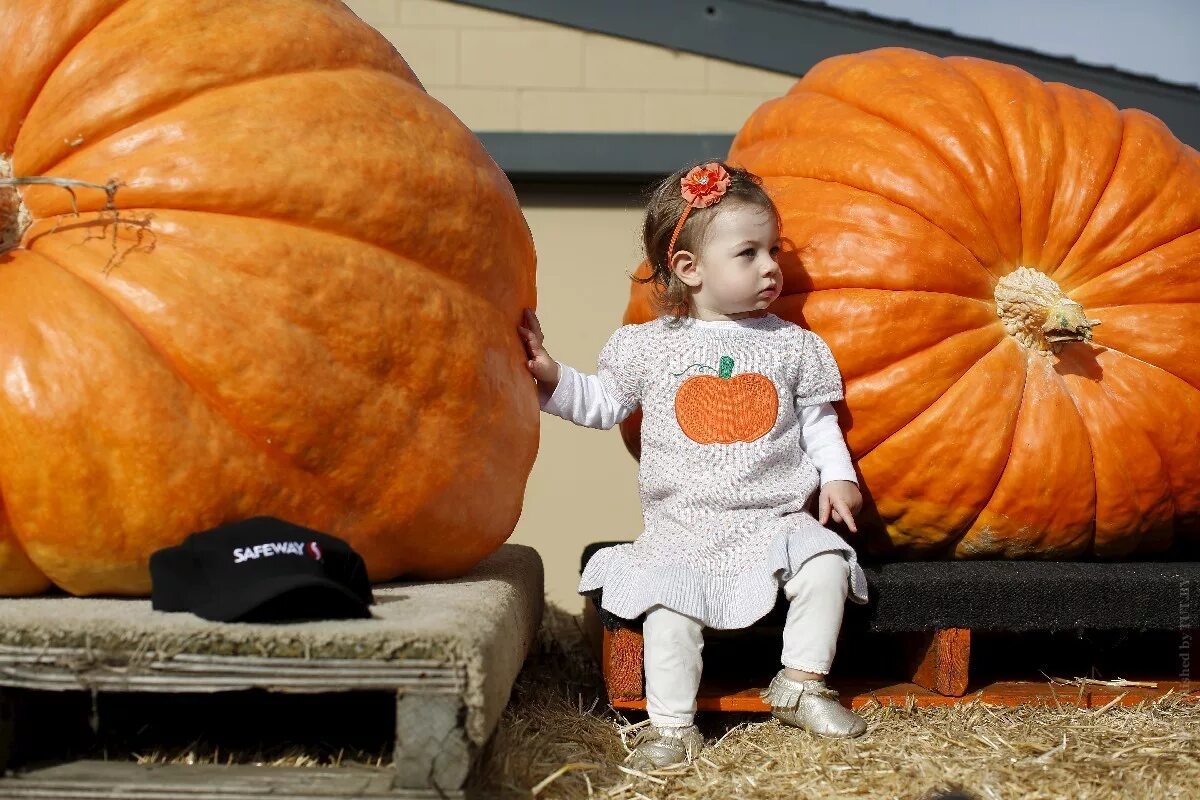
x=847, y=517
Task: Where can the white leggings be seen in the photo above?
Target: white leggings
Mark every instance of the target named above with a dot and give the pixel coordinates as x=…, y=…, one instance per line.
x=673, y=642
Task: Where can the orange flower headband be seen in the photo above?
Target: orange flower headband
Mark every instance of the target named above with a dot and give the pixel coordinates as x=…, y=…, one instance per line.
x=702, y=187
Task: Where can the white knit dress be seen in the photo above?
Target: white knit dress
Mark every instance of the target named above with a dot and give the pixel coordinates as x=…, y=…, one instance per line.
x=723, y=478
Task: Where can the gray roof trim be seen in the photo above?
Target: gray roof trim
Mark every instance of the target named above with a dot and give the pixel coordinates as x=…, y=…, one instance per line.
x=737, y=30
x=617, y=158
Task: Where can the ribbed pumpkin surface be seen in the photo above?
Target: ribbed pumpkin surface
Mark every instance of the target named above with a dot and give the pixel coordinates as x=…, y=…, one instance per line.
x=939, y=215
x=305, y=309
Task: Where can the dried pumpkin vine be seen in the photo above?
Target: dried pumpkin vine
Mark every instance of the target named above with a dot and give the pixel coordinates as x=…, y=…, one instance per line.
x=15, y=218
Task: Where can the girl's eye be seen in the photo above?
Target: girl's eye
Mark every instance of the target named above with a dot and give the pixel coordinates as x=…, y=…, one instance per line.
x=747, y=252
x=775, y=250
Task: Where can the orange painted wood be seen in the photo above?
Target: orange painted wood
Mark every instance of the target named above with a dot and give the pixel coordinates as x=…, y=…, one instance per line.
x=857, y=693
x=622, y=665
x=940, y=660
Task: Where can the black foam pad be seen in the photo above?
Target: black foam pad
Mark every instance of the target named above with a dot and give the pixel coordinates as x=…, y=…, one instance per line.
x=1008, y=595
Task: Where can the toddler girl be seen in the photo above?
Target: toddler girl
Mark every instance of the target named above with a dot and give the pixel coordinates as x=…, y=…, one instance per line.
x=737, y=432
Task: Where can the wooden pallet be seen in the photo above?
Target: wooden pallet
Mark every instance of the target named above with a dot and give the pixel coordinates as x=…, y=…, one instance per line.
x=431, y=746
x=91, y=780
x=479, y=627
x=937, y=670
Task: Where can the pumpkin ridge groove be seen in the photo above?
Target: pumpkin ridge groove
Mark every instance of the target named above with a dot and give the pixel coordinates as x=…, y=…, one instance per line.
x=953, y=546
x=1157, y=302
x=1008, y=152
x=1142, y=212
x=468, y=288
x=1091, y=542
x=937, y=156
x=966, y=250
x=1122, y=464
x=1087, y=223
x=1066, y=387
x=175, y=368
x=981, y=300
x=1124, y=264
x=1152, y=248
x=909, y=354
x=912, y=353
x=975, y=258
x=872, y=448
x=170, y=103
x=66, y=53
x=1164, y=465
x=983, y=100
x=1152, y=365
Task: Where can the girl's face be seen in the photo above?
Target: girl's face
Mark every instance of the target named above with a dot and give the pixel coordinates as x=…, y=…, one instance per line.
x=734, y=273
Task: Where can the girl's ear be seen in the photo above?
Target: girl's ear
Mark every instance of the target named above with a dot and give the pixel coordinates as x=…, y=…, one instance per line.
x=683, y=264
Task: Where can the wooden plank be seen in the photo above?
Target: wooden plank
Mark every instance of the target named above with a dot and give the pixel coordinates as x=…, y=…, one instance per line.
x=621, y=655
x=623, y=664
x=24, y=653
x=215, y=683
x=939, y=660
x=75, y=669
x=86, y=780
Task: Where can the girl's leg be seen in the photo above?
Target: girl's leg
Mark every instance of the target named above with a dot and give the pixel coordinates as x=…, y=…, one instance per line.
x=673, y=645
x=817, y=597
x=798, y=694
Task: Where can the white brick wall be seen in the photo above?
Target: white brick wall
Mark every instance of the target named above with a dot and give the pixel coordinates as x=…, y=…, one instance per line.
x=503, y=72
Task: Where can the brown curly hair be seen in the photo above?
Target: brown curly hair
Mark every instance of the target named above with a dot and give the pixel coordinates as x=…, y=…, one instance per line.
x=664, y=206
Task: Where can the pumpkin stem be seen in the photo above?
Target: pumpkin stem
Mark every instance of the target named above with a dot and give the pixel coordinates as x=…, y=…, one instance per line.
x=726, y=367
x=14, y=216
x=1037, y=314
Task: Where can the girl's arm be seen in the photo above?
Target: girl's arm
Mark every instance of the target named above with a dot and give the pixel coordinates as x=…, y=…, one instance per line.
x=582, y=399
x=822, y=439
x=595, y=401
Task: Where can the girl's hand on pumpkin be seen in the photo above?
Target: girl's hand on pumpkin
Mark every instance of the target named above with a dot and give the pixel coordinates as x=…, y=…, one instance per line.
x=840, y=500
x=540, y=363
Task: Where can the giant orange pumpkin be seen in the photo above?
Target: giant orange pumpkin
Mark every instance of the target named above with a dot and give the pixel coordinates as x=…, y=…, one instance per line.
x=302, y=304
x=1008, y=272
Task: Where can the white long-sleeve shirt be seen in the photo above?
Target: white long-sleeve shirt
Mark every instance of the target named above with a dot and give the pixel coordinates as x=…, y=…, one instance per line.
x=584, y=400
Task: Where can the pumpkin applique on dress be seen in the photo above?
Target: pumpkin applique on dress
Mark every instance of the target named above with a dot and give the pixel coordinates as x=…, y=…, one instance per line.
x=726, y=408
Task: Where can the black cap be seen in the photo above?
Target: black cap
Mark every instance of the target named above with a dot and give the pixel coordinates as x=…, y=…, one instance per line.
x=261, y=569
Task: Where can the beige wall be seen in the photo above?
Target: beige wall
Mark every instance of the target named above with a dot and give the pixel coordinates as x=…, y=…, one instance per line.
x=503, y=72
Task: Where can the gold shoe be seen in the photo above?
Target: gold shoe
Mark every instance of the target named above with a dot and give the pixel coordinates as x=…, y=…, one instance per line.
x=811, y=705
x=656, y=748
